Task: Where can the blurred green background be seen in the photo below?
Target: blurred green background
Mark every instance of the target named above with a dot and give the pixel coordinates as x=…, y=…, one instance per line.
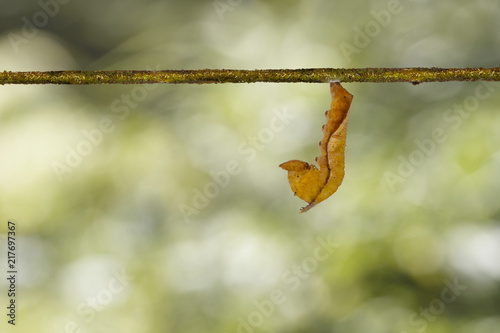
x=162, y=208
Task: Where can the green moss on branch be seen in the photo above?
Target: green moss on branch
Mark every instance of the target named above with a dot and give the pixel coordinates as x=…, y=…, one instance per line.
x=311, y=75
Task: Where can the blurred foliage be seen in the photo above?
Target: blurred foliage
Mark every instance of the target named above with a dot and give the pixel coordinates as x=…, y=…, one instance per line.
x=104, y=246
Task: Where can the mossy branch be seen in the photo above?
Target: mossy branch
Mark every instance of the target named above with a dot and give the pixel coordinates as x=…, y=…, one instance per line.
x=414, y=75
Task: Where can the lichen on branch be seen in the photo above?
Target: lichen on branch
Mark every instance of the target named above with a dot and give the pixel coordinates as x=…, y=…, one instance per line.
x=413, y=75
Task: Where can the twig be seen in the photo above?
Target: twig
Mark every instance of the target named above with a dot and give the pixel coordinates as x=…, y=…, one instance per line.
x=312, y=75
